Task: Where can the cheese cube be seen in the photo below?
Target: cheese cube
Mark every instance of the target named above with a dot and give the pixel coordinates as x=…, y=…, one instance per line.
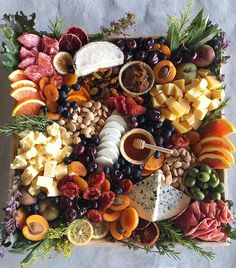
x=45, y=182
x=40, y=138
x=28, y=141
x=53, y=129
x=180, y=83
x=161, y=98
x=31, y=153
x=213, y=82
x=202, y=85
x=39, y=162
x=65, y=152
x=218, y=94
x=203, y=72
x=202, y=102
x=170, y=101
x=61, y=171
x=214, y=105
x=155, y=104
x=52, y=149
x=19, y=162
x=207, y=93
x=188, y=87
x=67, y=142
x=28, y=175
x=156, y=90
x=23, y=133
x=193, y=94
x=178, y=93
x=181, y=127
x=195, y=82
x=185, y=104
x=34, y=189
x=168, y=114
x=168, y=89
x=50, y=168
x=190, y=118
x=196, y=124
x=53, y=191
x=200, y=114
x=177, y=109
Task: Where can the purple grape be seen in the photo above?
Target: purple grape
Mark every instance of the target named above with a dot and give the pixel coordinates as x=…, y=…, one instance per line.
x=131, y=44
x=140, y=41
x=141, y=55
x=117, y=175
x=121, y=44
x=152, y=57
x=65, y=202
x=70, y=214
x=91, y=168
x=155, y=115
x=85, y=159
x=148, y=43
x=177, y=57
x=190, y=55
x=128, y=56
x=79, y=149
x=81, y=213
x=167, y=144
x=91, y=150
x=161, y=40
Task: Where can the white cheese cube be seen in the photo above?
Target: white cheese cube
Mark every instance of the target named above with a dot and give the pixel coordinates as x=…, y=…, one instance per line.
x=202, y=84
x=53, y=191
x=156, y=90
x=51, y=149
x=214, y=105
x=192, y=94
x=34, y=189
x=40, y=138
x=200, y=114
x=19, y=162
x=28, y=141
x=65, y=152
x=61, y=171
x=39, y=162
x=53, y=129
x=28, y=175
x=202, y=102
x=50, y=168
x=23, y=133
x=45, y=182
x=31, y=153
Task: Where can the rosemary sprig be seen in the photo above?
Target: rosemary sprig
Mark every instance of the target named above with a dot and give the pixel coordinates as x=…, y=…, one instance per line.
x=21, y=123
x=56, y=27
x=215, y=113
x=172, y=234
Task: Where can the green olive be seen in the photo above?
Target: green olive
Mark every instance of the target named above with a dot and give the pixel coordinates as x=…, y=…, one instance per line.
x=206, y=192
x=193, y=172
x=213, y=176
x=203, y=177
x=205, y=168
x=202, y=185
x=213, y=182
x=193, y=190
x=199, y=195
x=216, y=195
x=220, y=187
x=190, y=181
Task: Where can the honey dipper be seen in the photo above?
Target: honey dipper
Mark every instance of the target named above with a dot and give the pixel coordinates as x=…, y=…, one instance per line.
x=141, y=144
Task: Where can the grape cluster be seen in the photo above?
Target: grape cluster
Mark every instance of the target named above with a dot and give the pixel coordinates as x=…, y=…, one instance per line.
x=183, y=54
x=142, y=49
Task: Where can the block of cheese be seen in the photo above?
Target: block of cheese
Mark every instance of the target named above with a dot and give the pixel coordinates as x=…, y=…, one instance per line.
x=192, y=94
x=28, y=175
x=170, y=101
x=196, y=124
x=53, y=191
x=190, y=118
x=200, y=114
x=19, y=162
x=202, y=102
x=45, y=182
x=168, y=114
x=161, y=98
x=168, y=89
x=180, y=83
x=31, y=153
x=178, y=93
x=218, y=94
x=40, y=138
x=215, y=103
x=28, y=141
x=177, y=109
x=181, y=127
x=61, y=171
x=155, y=200
x=34, y=189
x=207, y=93
x=213, y=82
x=156, y=90
x=202, y=85
x=203, y=72
x=53, y=130
x=50, y=168
x=185, y=104
x=155, y=103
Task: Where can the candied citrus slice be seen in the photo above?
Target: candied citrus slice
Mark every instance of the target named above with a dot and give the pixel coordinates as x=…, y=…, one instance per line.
x=218, y=150
x=100, y=230
x=121, y=202
x=28, y=107
x=77, y=98
x=80, y=232
x=214, y=161
x=51, y=92
x=219, y=127
x=154, y=163
x=23, y=83
x=17, y=75
x=24, y=93
x=147, y=236
x=218, y=141
x=70, y=79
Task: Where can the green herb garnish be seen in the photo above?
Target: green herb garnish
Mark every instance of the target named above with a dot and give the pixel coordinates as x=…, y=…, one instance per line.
x=21, y=123
x=56, y=27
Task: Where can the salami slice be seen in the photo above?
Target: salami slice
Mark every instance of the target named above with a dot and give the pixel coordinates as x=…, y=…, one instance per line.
x=27, y=62
x=25, y=53
x=45, y=64
x=33, y=72
x=79, y=33
x=29, y=40
x=69, y=42
x=50, y=45
x=57, y=80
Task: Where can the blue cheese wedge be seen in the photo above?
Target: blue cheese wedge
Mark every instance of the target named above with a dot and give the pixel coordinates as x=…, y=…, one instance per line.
x=97, y=55
x=155, y=200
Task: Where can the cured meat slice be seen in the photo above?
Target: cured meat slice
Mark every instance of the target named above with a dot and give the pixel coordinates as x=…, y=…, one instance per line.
x=50, y=45
x=45, y=64
x=27, y=62
x=25, y=53
x=196, y=210
x=57, y=80
x=29, y=40
x=69, y=42
x=215, y=235
x=33, y=72
x=80, y=33
x=205, y=226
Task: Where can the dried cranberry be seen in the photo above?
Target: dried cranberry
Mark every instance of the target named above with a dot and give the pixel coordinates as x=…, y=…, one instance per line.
x=180, y=140
x=70, y=190
x=96, y=179
x=92, y=193
x=94, y=216
x=126, y=185
x=63, y=181
x=106, y=200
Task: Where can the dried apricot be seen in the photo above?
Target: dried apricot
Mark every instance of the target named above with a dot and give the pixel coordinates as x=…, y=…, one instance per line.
x=121, y=202
x=106, y=185
x=154, y=163
x=70, y=79
x=193, y=137
x=53, y=116
x=77, y=168
x=111, y=215
x=83, y=185
x=52, y=106
x=129, y=219
x=51, y=92
x=43, y=82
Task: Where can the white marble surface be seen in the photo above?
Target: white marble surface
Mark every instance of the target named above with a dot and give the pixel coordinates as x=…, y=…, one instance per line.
x=151, y=19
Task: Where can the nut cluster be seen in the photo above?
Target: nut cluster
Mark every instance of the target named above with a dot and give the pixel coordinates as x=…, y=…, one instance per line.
x=175, y=166
x=88, y=119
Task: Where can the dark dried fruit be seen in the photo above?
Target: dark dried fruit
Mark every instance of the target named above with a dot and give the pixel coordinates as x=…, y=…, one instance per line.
x=106, y=200
x=92, y=193
x=142, y=224
x=94, y=216
x=96, y=179
x=147, y=236
x=126, y=185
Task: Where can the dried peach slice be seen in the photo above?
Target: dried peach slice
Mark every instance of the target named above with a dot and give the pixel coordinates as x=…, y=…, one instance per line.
x=111, y=215
x=77, y=168
x=129, y=219
x=121, y=202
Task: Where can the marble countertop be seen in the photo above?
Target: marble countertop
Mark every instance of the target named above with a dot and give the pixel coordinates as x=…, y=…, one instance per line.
x=151, y=19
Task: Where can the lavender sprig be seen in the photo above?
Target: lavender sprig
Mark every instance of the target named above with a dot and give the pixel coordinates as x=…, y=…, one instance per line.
x=10, y=224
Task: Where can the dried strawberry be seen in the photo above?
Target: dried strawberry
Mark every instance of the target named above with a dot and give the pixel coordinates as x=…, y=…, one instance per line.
x=126, y=185
x=94, y=216
x=106, y=200
x=96, y=179
x=179, y=140
x=130, y=102
x=92, y=193
x=139, y=100
x=111, y=103
x=133, y=108
x=120, y=104
x=147, y=236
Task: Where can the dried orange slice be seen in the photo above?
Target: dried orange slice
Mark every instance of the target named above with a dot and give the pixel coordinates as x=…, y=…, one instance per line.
x=80, y=99
x=23, y=83
x=28, y=107
x=17, y=75
x=154, y=163
x=25, y=93
x=214, y=160
x=146, y=173
x=147, y=236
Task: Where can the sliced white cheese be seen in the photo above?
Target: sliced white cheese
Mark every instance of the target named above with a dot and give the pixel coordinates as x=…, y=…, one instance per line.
x=114, y=124
x=103, y=161
x=118, y=119
x=50, y=168
x=97, y=55
x=108, y=144
x=61, y=171
x=111, y=138
x=109, y=153
x=110, y=131
x=45, y=182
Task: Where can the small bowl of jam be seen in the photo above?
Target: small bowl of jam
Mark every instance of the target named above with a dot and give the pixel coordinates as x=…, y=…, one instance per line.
x=132, y=154
x=136, y=78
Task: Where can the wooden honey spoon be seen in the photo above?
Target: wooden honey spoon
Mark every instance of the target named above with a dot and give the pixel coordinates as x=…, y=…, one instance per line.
x=141, y=144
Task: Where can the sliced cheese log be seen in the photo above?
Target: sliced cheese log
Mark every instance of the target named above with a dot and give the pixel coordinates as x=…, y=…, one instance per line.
x=155, y=200
x=118, y=119
x=110, y=131
x=109, y=153
x=114, y=124
x=111, y=138
x=108, y=144
x=97, y=55
x=103, y=161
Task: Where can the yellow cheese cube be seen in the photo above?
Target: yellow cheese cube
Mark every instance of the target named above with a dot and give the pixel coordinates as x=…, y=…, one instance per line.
x=188, y=87
x=203, y=72
x=28, y=175
x=207, y=93
x=196, y=124
x=168, y=89
x=185, y=104
x=181, y=127
x=53, y=191
x=178, y=93
x=213, y=82
x=50, y=168
x=202, y=102
x=61, y=171
x=161, y=97
x=180, y=83
x=215, y=103
x=190, y=118
x=193, y=94
x=34, y=189
x=195, y=82
x=202, y=84
x=200, y=114
x=170, y=101
x=218, y=94
x=155, y=104
x=177, y=109
x=156, y=90
x=168, y=114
